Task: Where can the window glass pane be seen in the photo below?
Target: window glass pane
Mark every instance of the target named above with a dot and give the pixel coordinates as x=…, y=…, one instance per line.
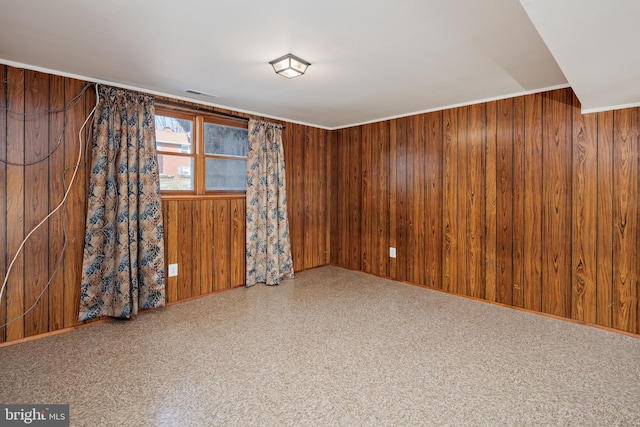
x=174, y=135
x=225, y=140
x=176, y=172
x=225, y=174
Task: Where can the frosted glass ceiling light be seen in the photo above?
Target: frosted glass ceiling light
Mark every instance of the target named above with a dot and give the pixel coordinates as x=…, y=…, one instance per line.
x=289, y=66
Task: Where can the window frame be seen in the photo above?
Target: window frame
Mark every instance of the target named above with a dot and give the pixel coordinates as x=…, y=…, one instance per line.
x=199, y=118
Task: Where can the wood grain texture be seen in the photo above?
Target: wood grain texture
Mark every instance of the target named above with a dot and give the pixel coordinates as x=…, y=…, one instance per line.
x=298, y=224
x=556, y=187
x=343, y=213
x=36, y=144
x=519, y=130
x=238, y=237
x=322, y=177
x=333, y=199
x=433, y=199
x=3, y=196
x=604, y=238
x=584, y=221
x=533, y=169
x=383, y=197
x=490, y=203
x=366, y=211
x=310, y=244
x=196, y=264
x=450, y=201
x=402, y=255
x=55, y=194
x=185, y=248
x=204, y=244
x=14, y=292
x=222, y=245
x=393, y=191
x=504, y=202
x=475, y=201
x=353, y=170
x=171, y=232
x=75, y=208
x=416, y=137
x=463, y=190
x=625, y=218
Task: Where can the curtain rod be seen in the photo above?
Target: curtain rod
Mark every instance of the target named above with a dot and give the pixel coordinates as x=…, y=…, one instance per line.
x=186, y=107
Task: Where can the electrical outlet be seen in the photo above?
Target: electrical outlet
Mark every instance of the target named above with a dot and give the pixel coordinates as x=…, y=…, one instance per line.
x=173, y=270
x=392, y=252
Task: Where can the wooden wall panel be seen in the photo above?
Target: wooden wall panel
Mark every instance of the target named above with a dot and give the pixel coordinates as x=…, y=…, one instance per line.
x=381, y=238
x=170, y=222
x=604, y=239
x=238, y=239
x=625, y=219
x=450, y=201
x=416, y=140
x=504, y=202
x=75, y=206
x=476, y=143
x=14, y=292
x=185, y=249
x=462, y=192
x=367, y=213
x=322, y=218
x=525, y=200
x=584, y=220
x=518, y=200
x=222, y=245
x=533, y=169
x=36, y=145
x=203, y=229
x=55, y=192
x=353, y=173
x=344, y=217
x=333, y=198
x=556, y=199
x=402, y=191
x=433, y=199
x=311, y=166
x=296, y=200
x=393, y=191
x=490, y=203
x=3, y=196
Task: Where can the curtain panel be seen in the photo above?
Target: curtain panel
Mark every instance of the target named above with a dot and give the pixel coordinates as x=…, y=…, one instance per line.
x=268, y=248
x=123, y=261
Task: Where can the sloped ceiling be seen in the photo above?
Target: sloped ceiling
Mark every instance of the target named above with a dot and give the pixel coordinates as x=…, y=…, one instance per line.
x=595, y=42
x=371, y=60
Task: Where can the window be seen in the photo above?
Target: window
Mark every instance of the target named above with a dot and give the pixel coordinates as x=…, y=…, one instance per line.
x=200, y=154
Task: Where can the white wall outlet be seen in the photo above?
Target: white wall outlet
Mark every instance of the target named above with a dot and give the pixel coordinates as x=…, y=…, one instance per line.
x=173, y=270
x=392, y=252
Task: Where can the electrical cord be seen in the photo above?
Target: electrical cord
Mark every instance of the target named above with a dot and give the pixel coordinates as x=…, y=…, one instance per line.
x=72, y=103
x=61, y=205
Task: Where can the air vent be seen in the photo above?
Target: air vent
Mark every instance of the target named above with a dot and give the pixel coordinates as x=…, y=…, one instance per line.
x=195, y=92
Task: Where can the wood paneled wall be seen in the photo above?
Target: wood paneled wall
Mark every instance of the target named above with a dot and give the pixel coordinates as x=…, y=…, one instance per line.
x=204, y=236
x=523, y=201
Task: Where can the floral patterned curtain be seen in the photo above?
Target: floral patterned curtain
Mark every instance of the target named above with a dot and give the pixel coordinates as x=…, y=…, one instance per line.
x=123, y=262
x=268, y=247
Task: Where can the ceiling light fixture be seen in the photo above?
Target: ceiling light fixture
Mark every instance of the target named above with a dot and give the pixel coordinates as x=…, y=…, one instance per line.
x=289, y=66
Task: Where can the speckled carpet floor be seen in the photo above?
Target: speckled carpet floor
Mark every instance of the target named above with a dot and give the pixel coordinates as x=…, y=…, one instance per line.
x=332, y=347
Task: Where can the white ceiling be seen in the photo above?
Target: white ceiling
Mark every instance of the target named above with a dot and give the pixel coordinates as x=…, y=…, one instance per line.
x=371, y=60
x=595, y=42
